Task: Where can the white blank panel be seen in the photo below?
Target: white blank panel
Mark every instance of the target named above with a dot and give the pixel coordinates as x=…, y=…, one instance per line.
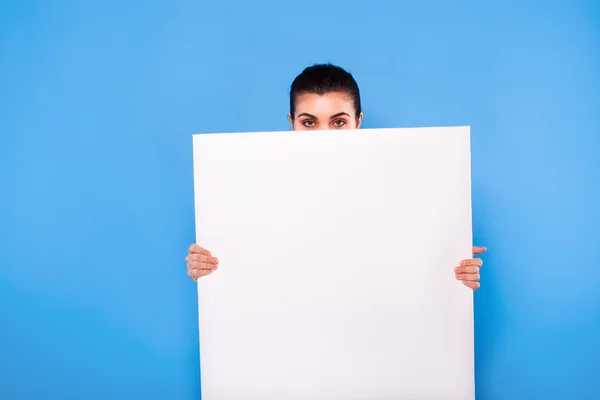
x=337, y=251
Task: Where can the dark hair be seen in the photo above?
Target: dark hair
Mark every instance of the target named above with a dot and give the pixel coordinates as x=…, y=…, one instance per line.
x=322, y=79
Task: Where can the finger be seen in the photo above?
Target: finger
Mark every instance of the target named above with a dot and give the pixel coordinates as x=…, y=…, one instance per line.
x=467, y=270
x=194, y=265
x=479, y=250
x=200, y=258
x=468, y=277
x=195, y=274
x=472, y=285
x=204, y=272
x=195, y=249
x=475, y=262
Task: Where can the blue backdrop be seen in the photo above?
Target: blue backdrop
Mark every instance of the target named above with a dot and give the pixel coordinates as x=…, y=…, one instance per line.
x=98, y=102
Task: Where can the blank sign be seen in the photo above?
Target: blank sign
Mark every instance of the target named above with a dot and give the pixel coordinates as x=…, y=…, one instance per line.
x=337, y=251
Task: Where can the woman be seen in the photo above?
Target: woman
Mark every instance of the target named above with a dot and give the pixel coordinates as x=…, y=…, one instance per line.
x=325, y=97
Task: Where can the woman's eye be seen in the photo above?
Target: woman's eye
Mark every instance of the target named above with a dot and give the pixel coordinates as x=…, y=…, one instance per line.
x=308, y=123
x=339, y=123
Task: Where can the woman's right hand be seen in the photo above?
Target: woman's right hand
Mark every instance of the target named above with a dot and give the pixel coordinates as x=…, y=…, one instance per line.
x=200, y=262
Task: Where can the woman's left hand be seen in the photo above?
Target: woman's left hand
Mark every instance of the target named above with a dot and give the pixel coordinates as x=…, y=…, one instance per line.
x=468, y=271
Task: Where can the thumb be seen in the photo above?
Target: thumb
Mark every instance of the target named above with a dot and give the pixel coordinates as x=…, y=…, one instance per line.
x=478, y=250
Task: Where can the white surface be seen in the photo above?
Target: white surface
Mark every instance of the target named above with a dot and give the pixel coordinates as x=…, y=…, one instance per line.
x=336, y=252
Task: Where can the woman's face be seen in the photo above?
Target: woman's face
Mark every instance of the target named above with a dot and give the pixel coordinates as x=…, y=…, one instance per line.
x=324, y=112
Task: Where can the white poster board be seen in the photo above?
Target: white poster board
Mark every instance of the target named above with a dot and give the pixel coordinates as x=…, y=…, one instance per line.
x=337, y=251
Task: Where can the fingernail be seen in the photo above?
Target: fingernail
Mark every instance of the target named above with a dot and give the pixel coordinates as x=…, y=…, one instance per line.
x=457, y=269
x=214, y=260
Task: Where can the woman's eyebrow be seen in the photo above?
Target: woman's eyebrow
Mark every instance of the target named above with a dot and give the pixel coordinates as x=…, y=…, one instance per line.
x=307, y=115
x=339, y=115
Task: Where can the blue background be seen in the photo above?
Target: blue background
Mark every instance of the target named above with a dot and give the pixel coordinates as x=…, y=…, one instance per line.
x=98, y=102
